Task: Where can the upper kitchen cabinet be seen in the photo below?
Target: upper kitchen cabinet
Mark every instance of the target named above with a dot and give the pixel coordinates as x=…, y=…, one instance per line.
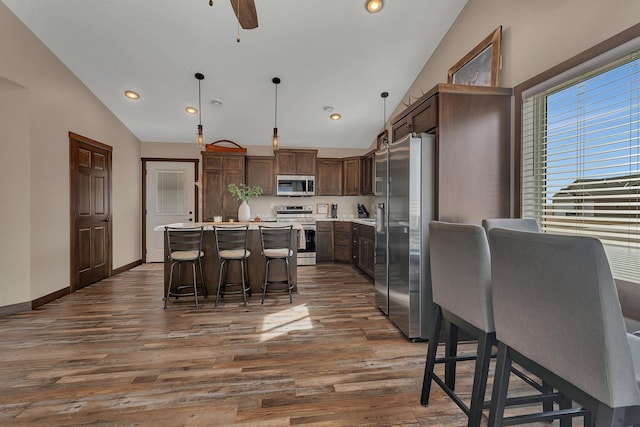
x=472, y=164
x=351, y=176
x=261, y=172
x=296, y=162
x=329, y=182
x=218, y=171
x=367, y=169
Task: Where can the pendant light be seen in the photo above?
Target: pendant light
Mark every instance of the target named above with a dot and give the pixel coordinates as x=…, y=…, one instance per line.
x=200, y=77
x=276, y=82
x=384, y=96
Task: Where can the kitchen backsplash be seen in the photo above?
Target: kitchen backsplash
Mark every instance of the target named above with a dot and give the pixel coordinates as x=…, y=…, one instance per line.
x=265, y=206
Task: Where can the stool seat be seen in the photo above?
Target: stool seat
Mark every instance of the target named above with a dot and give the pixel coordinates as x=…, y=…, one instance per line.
x=278, y=253
x=234, y=253
x=186, y=255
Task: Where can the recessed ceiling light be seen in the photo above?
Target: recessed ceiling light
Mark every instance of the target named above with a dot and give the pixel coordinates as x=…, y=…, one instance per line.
x=374, y=6
x=131, y=94
x=335, y=116
x=191, y=110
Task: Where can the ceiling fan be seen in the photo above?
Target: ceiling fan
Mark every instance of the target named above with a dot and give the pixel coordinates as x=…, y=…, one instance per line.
x=245, y=11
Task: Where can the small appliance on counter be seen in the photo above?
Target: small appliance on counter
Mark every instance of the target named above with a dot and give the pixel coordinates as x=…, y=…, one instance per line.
x=362, y=211
x=334, y=210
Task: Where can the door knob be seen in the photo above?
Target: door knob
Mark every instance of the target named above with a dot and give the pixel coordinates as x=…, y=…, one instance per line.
x=107, y=219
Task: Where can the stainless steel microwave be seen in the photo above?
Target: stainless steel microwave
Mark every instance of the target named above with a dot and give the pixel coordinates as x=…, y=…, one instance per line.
x=296, y=185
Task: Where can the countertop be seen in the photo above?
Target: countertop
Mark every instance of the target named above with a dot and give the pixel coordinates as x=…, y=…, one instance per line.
x=253, y=225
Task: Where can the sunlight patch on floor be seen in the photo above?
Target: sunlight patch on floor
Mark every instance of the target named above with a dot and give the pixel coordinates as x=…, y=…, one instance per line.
x=295, y=318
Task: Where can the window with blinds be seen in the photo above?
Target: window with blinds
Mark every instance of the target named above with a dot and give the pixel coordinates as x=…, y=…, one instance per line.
x=580, y=160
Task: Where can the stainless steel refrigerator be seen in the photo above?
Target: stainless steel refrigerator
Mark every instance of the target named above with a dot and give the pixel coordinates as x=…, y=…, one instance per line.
x=405, y=206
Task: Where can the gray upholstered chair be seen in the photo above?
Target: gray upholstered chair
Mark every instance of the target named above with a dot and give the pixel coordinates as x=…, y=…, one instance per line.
x=276, y=246
x=557, y=314
x=231, y=245
x=184, y=245
x=521, y=224
x=461, y=285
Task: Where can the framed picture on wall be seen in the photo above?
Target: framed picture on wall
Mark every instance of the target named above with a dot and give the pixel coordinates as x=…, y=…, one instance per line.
x=481, y=66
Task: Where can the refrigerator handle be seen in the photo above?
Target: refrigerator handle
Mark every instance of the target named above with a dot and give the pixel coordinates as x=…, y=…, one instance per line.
x=380, y=218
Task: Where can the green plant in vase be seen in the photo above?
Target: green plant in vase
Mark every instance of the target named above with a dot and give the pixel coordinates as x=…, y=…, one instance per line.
x=244, y=193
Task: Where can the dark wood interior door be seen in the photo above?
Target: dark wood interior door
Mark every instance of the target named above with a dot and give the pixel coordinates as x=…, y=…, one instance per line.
x=90, y=175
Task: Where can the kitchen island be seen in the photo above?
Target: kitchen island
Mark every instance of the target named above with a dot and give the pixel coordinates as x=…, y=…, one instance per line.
x=255, y=262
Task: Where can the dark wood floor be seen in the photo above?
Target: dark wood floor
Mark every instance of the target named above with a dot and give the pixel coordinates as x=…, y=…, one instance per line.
x=109, y=355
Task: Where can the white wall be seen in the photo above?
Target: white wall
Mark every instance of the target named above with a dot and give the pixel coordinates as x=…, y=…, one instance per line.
x=35, y=148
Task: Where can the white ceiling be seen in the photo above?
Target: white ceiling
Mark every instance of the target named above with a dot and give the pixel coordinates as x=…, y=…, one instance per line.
x=327, y=52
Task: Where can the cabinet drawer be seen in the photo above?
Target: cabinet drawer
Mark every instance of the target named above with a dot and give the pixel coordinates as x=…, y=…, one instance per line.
x=324, y=226
x=342, y=253
x=368, y=232
x=342, y=226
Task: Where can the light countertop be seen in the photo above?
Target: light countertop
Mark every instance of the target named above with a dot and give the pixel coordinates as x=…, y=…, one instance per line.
x=364, y=221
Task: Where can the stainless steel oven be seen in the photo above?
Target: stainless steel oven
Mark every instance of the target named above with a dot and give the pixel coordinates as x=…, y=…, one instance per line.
x=302, y=215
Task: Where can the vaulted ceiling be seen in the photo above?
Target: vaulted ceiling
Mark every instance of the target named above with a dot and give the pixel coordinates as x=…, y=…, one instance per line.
x=326, y=52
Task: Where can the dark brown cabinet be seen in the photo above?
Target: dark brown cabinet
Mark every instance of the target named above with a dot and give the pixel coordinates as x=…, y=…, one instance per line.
x=472, y=164
x=351, y=176
x=342, y=241
x=261, y=172
x=296, y=162
x=366, y=249
x=324, y=241
x=218, y=171
x=367, y=168
x=329, y=179
x=355, y=243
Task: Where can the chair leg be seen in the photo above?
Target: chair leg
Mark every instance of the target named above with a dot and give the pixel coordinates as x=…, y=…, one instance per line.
x=195, y=283
x=483, y=358
x=169, y=287
x=223, y=264
x=266, y=279
x=451, y=351
x=431, y=357
x=289, y=285
x=242, y=275
x=500, y=386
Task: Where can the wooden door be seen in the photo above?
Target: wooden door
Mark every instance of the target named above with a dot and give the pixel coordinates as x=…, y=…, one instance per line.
x=90, y=194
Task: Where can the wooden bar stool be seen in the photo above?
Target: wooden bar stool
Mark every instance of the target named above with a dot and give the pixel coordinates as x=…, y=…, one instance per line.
x=276, y=246
x=185, y=246
x=231, y=244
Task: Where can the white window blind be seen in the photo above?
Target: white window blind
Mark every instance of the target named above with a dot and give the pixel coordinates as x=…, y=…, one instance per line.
x=580, y=160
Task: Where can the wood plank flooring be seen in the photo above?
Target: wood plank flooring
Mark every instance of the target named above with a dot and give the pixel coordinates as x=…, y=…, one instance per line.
x=109, y=355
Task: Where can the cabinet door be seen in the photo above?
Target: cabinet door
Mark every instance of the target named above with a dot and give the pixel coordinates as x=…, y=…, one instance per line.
x=425, y=117
x=351, y=176
x=367, y=259
x=306, y=163
x=296, y=162
x=260, y=172
x=355, y=244
x=220, y=170
x=285, y=162
x=324, y=241
x=367, y=182
x=329, y=182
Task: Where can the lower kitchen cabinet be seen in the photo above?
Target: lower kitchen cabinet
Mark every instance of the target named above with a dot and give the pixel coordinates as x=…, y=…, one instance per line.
x=367, y=249
x=324, y=241
x=342, y=241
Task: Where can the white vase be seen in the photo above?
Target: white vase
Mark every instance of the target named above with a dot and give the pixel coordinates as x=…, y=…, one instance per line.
x=244, y=212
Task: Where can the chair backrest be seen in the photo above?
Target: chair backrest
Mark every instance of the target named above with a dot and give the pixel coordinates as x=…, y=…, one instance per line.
x=231, y=237
x=184, y=239
x=521, y=224
x=276, y=237
x=461, y=272
x=555, y=302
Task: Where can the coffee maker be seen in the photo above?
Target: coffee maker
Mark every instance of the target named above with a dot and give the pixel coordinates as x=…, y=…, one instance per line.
x=334, y=210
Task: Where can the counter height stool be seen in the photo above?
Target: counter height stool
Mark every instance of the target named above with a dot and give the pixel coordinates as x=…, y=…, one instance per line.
x=276, y=246
x=185, y=246
x=557, y=313
x=231, y=244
